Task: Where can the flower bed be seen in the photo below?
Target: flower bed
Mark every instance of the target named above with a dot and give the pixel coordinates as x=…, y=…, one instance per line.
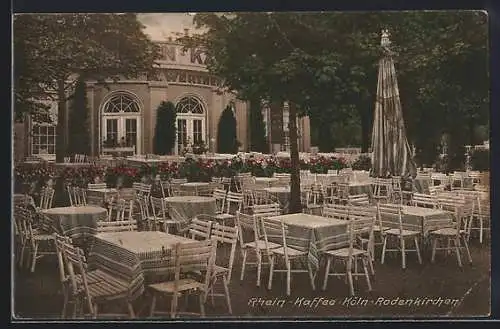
x=30, y=178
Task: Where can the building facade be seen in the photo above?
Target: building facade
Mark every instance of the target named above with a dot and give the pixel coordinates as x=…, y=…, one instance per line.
x=125, y=111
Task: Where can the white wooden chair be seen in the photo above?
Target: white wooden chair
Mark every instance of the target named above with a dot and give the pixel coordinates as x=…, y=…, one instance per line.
x=222, y=272
x=38, y=236
x=77, y=196
x=220, y=200
x=399, y=234
x=382, y=190
x=46, y=198
x=334, y=248
x=116, y=209
x=96, y=287
x=251, y=240
x=456, y=234
x=277, y=230
x=200, y=229
x=160, y=216
x=232, y=204
x=198, y=256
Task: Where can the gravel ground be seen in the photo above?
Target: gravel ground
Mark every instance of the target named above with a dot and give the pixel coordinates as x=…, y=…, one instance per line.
x=447, y=291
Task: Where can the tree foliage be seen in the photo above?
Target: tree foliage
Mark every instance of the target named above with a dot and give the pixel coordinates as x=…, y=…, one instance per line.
x=258, y=140
x=326, y=64
x=79, y=142
x=226, y=132
x=51, y=49
x=165, y=130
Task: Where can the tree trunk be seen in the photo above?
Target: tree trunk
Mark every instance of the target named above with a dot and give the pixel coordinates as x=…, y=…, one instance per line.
x=61, y=138
x=295, y=202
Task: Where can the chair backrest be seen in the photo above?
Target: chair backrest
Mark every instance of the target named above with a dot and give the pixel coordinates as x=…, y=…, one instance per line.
x=116, y=207
x=200, y=228
x=266, y=210
x=116, y=226
x=60, y=242
x=435, y=190
x=248, y=225
x=424, y=200
x=96, y=186
x=229, y=235
x=386, y=212
x=336, y=211
x=76, y=266
x=234, y=202
x=158, y=207
x=358, y=199
x=382, y=186
x=220, y=199
x=196, y=256
x=274, y=231
x=46, y=197
x=396, y=183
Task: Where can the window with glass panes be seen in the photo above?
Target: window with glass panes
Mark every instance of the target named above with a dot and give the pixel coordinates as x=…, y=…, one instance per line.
x=43, y=139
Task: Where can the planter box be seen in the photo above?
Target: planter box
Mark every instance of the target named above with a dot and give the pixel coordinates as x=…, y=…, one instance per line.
x=118, y=149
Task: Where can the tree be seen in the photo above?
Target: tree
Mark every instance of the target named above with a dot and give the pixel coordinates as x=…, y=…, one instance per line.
x=165, y=131
x=226, y=133
x=78, y=121
x=258, y=141
x=54, y=48
x=276, y=56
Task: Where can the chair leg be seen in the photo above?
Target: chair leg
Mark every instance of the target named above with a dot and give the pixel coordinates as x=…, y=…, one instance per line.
x=21, y=257
x=467, y=250
x=34, y=257
x=173, y=307
x=403, y=252
x=351, y=284
x=226, y=292
x=288, y=278
x=243, y=263
x=367, y=275
x=456, y=243
x=65, y=302
x=311, y=275
x=202, y=304
x=131, y=312
x=271, y=271
x=434, y=247
x=327, y=269
x=259, y=266
x=480, y=229
x=417, y=249
x=95, y=311
x=153, y=306
x=383, y=250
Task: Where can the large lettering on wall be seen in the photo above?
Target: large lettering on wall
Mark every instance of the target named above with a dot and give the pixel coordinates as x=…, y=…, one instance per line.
x=189, y=77
x=173, y=53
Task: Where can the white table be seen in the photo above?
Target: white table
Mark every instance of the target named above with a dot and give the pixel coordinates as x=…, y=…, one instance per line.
x=305, y=231
x=76, y=221
x=193, y=187
x=185, y=208
x=135, y=256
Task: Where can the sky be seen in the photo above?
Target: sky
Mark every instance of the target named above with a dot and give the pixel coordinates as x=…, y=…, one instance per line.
x=160, y=26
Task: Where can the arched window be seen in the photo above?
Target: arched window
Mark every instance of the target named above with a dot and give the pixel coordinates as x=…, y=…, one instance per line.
x=189, y=104
x=121, y=121
x=121, y=103
x=190, y=122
